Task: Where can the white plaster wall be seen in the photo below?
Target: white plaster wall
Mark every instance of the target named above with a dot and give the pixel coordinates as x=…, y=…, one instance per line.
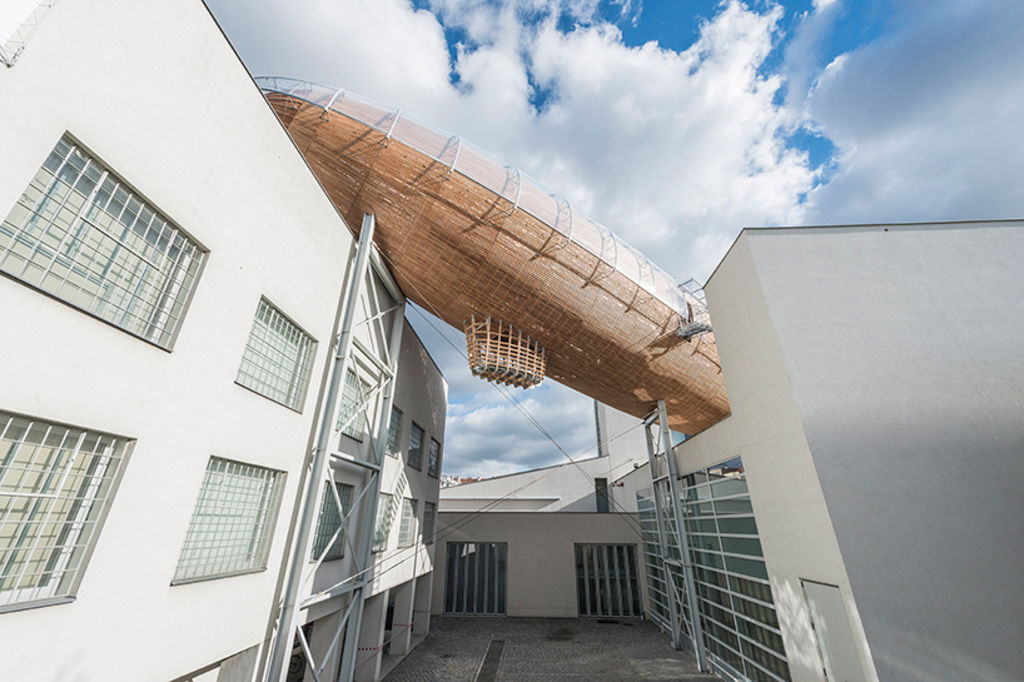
x=565, y=487
x=541, y=555
x=155, y=91
x=904, y=350
x=765, y=430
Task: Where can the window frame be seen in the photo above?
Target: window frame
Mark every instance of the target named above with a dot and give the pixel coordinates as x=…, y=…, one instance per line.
x=300, y=401
x=382, y=532
x=201, y=258
x=127, y=446
x=425, y=538
x=269, y=522
x=434, y=467
x=394, y=449
x=326, y=498
x=413, y=505
x=365, y=389
x=419, y=447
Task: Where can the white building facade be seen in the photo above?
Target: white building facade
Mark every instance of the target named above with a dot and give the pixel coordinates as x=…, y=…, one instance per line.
x=173, y=277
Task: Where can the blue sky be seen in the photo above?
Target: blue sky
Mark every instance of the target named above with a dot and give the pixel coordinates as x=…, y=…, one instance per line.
x=676, y=124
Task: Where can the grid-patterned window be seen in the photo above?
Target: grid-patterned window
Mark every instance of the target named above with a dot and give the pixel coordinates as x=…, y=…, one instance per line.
x=429, y=514
x=394, y=431
x=330, y=522
x=433, y=458
x=407, y=528
x=352, y=412
x=414, y=458
x=233, y=521
x=382, y=527
x=278, y=358
x=82, y=235
x=56, y=483
x=737, y=612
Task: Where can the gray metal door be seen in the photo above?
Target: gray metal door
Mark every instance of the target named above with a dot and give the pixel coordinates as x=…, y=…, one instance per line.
x=475, y=578
x=606, y=581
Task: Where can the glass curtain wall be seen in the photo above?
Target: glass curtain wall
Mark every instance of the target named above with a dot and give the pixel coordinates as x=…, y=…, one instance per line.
x=735, y=601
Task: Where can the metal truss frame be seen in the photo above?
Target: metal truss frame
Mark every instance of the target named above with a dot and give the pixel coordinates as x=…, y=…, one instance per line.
x=675, y=555
x=368, y=264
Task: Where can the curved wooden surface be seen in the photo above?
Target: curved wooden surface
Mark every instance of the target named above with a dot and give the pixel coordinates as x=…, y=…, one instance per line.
x=459, y=249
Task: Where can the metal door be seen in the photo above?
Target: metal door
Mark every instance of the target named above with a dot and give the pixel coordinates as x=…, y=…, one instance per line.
x=606, y=581
x=475, y=578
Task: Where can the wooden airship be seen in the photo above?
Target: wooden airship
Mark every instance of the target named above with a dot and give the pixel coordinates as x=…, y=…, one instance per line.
x=486, y=249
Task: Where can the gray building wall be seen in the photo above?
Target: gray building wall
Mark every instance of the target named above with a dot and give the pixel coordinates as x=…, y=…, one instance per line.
x=541, y=554
x=904, y=349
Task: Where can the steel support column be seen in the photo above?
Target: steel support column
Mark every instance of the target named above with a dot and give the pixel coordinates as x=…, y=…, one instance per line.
x=664, y=481
x=282, y=647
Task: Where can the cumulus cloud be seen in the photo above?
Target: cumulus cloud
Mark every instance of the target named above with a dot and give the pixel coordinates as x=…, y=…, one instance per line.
x=926, y=118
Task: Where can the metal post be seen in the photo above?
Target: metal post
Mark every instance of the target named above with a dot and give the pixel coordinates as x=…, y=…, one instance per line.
x=365, y=537
x=659, y=513
x=281, y=653
x=684, y=545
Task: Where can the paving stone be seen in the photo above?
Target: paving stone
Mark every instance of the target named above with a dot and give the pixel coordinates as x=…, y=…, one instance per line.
x=547, y=649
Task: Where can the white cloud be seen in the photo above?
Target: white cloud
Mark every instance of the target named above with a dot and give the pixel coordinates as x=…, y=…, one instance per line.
x=927, y=119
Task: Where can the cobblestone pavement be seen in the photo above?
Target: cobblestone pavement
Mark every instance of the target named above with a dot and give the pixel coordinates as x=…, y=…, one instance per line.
x=546, y=649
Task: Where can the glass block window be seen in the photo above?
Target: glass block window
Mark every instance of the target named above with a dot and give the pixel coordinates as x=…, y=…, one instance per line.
x=80, y=234
x=278, y=358
x=56, y=483
x=414, y=458
x=352, y=413
x=434, y=458
x=382, y=527
x=394, y=431
x=330, y=522
x=429, y=514
x=233, y=521
x=407, y=528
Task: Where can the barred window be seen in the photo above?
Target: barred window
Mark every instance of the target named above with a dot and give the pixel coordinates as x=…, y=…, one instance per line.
x=80, y=234
x=233, y=521
x=352, y=413
x=429, y=512
x=56, y=483
x=433, y=458
x=382, y=527
x=415, y=456
x=394, y=431
x=278, y=358
x=407, y=529
x=330, y=522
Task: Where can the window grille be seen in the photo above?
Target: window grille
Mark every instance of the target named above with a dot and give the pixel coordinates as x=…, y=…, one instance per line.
x=407, y=529
x=394, y=431
x=606, y=581
x=80, y=234
x=429, y=514
x=475, y=580
x=56, y=483
x=330, y=522
x=414, y=458
x=278, y=358
x=352, y=412
x=233, y=521
x=382, y=527
x=433, y=458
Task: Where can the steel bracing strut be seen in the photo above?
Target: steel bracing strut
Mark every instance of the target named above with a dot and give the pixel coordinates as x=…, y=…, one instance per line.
x=367, y=263
x=675, y=557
